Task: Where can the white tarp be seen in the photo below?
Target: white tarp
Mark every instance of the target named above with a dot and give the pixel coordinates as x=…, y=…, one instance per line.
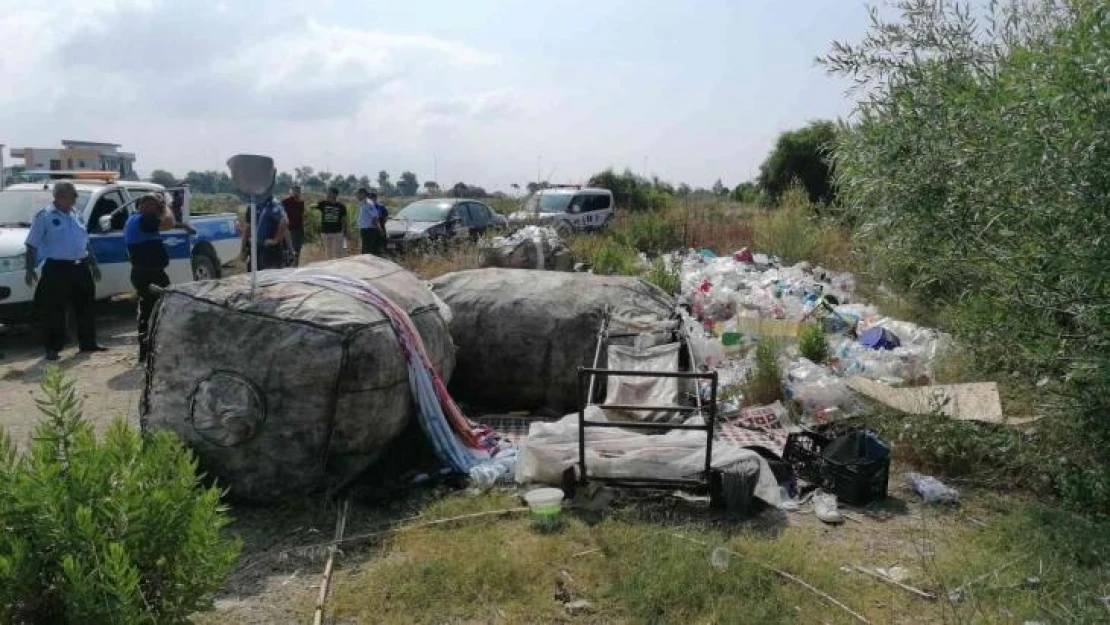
x=643, y=391
x=551, y=448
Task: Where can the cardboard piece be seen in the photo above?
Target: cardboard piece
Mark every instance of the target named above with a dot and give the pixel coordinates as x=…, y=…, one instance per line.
x=976, y=401
x=778, y=328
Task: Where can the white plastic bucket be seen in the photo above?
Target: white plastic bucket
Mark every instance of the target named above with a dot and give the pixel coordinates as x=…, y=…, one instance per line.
x=546, y=503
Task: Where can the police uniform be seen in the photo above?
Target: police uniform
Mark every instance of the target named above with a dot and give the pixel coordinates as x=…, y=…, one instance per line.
x=148, y=267
x=61, y=243
x=269, y=215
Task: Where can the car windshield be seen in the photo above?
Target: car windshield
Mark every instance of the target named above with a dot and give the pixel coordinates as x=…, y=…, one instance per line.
x=18, y=208
x=548, y=203
x=426, y=210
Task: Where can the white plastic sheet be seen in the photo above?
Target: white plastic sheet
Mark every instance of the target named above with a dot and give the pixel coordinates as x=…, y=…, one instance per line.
x=551, y=448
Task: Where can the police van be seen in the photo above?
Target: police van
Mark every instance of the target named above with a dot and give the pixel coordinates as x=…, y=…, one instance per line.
x=103, y=206
x=567, y=208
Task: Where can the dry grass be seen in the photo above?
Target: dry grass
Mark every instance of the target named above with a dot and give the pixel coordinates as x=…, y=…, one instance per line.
x=632, y=568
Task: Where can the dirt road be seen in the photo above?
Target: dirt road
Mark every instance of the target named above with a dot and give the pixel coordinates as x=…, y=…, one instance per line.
x=109, y=383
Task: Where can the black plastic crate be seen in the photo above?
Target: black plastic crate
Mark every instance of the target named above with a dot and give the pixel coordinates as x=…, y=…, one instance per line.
x=855, y=466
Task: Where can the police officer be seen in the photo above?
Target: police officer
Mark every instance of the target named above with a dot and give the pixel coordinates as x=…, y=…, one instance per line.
x=68, y=272
x=149, y=258
x=273, y=234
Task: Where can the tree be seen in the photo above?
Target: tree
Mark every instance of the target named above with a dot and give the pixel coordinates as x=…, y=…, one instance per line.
x=302, y=174
x=719, y=188
x=431, y=187
x=284, y=183
x=746, y=193
x=460, y=190
x=384, y=186
x=976, y=172
x=163, y=177
x=684, y=190
x=364, y=182
x=801, y=155
x=407, y=185
x=631, y=191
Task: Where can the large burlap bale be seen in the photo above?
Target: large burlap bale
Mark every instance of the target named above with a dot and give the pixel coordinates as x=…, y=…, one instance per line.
x=296, y=390
x=521, y=335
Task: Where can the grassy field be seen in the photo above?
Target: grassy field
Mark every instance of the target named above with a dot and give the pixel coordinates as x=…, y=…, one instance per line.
x=991, y=560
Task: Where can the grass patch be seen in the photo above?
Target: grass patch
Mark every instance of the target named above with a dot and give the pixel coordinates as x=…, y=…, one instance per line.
x=634, y=570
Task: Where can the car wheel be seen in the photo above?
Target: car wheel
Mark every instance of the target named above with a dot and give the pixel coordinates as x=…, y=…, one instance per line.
x=204, y=268
x=563, y=228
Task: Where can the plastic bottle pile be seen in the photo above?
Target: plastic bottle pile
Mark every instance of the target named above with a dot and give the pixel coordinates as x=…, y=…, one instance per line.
x=729, y=295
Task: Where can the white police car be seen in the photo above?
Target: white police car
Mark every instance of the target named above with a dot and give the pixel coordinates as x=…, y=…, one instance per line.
x=567, y=208
x=103, y=204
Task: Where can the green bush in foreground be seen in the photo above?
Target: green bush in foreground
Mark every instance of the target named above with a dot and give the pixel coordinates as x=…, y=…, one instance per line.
x=812, y=344
x=118, y=531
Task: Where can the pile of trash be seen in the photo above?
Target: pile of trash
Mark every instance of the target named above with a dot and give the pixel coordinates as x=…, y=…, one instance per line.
x=531, y=247
x=733, y=302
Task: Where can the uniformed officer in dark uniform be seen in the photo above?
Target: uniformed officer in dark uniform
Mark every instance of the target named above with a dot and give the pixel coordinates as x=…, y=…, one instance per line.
x=149, y=258
x=68, y=272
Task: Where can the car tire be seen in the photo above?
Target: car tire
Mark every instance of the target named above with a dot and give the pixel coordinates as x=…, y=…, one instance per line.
x=205, y=267
x=564, y=228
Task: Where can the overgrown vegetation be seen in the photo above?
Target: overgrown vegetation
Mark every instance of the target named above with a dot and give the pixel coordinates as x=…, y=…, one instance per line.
x=764, y=383
x=793, y=231
x=812, y=343
x=118, y=531
x=976, y=178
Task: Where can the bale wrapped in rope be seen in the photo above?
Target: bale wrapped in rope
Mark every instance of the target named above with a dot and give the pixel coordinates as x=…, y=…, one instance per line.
x=298, y=389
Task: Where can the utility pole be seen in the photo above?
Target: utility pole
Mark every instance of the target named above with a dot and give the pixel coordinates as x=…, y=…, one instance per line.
x=2, y=181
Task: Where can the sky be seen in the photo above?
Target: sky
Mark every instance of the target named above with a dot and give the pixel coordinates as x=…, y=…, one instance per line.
x=487, y=92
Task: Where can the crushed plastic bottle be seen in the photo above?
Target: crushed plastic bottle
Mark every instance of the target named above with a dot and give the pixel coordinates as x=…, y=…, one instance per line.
x=719, y=559
x=931, y=489
x=501, y=468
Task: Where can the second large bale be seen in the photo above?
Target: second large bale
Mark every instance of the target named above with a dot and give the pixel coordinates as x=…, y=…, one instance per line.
x=297, y=389
x=521, y=335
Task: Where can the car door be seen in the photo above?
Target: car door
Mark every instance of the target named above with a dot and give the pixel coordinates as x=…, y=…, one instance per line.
x=178, y=243
x=107, y=244
x=576, y=212
x=458, y=227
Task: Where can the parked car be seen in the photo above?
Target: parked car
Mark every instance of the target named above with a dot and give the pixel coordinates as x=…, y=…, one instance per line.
x=102, y=208
x=440, y=220
x=567, y=209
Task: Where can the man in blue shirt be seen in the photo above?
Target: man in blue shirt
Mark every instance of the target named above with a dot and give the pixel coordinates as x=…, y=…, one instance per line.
x=370, y=225
x=68, y=272
x=149, y=258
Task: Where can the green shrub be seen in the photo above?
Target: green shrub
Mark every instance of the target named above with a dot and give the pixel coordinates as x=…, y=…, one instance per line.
x=615, y=258
x=764, y=384
x=668, y=279
x=976, y=178
x=649, y=232
x=118, y=531
x=812, y=344
x=794, y=233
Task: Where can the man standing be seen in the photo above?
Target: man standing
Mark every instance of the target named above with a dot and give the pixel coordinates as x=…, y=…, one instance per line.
x=68, y=272
x=370, y=224
x=333, y=223
x=294, y=212
x=273, y=229
x=149, y=259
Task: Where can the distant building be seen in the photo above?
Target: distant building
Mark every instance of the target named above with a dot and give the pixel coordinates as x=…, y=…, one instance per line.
x=80, y=155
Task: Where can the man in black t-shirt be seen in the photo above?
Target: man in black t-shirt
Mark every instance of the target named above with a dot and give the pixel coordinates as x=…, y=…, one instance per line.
x=333, y=224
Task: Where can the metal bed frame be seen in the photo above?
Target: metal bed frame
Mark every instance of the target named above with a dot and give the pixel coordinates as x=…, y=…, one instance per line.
x=706, y=481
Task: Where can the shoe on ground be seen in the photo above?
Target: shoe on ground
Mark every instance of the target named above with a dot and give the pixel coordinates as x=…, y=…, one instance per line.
x=92, y=349
x=52, y=355
x=824, y=506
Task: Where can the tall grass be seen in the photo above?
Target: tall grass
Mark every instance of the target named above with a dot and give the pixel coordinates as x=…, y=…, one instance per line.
x=794, y=233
